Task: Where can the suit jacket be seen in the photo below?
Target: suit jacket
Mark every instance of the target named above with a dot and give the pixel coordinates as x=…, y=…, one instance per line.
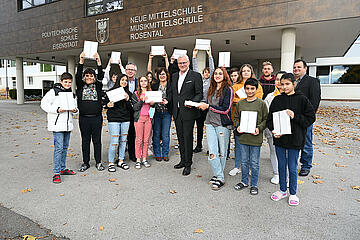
x=192, y=89
x=310, y=87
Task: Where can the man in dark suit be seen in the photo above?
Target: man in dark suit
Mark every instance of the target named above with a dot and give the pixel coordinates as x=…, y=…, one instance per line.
x=310, y=87
x=130, y=71
x=185, y=85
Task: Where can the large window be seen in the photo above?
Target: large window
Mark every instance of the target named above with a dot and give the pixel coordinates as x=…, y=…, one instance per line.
x=25, y=4
x=94, y=7
x=30, y=80
x=339, y=74
x=47, y=67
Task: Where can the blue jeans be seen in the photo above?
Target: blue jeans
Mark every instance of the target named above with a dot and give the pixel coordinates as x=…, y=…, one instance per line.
x=218, y=141
x=287, y=158
x=237, y=153
x=161, y=129
x=118, y=138
x=307, y=152
x=250, y=156
x=61, y=144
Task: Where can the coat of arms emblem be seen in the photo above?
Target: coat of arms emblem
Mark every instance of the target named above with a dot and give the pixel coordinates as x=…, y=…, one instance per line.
x=102, y=30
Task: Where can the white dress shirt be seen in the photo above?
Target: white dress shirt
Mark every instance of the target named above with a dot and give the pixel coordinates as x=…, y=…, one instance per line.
x=181, y=79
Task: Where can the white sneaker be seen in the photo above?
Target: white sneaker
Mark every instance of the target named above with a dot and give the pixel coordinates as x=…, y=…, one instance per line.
x=275, y=179
x=234, y=171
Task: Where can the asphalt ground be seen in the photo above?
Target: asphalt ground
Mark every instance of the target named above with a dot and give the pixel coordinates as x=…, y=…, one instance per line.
x=160, y=203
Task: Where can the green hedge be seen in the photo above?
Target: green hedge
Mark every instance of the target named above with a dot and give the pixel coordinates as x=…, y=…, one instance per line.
x=28, y=92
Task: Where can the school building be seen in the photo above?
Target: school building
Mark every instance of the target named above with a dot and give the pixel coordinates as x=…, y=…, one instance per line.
x=52, y=32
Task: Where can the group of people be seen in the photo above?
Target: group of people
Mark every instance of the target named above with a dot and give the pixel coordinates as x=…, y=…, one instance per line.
x=219, y=99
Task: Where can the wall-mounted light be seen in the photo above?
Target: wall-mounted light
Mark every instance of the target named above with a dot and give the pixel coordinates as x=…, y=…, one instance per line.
x=227, y=41
x=37, y=58
x=252, y=37
x=53, y=57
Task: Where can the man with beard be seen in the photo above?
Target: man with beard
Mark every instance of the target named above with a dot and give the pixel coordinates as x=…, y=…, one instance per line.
x=267, y=80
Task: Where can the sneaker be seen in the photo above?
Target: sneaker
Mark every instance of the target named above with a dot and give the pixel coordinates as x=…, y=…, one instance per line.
x=275, y=179
x=138, y=165
x=84, y=167
x=254, y=191
x=240, y=186
x=146, y=164
x=234, y=171
x=56, y=178
x=100, y=167
x=67, y=172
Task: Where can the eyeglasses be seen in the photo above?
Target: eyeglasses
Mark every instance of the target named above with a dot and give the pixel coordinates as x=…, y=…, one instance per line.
x=132, y=70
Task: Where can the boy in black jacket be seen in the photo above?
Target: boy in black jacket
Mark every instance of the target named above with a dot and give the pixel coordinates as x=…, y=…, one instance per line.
x=287, y=147
x=89, y=95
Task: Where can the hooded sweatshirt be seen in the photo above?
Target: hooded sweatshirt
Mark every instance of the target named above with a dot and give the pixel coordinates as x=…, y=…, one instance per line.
x=304, y=116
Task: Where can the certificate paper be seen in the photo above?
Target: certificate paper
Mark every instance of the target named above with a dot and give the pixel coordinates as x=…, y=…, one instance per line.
x=281, y=121
x=241, y=93
x=157, y=50
x=153, y=96
x=224, y=59
x=248, y=121
x=67, y=101
x=192, y=104
x=202, y=44
x=115, y=57
x=116, y=94
x=178, y=52
x=90, y=48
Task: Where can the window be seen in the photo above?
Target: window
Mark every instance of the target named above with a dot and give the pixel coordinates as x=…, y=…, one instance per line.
x=345, y=74
x=25, y=4
x=46, y=68
x=14, y=81
x=29, y=64
x=30, y=80
x=94, y=7
x=322, y=73
x=12, y=63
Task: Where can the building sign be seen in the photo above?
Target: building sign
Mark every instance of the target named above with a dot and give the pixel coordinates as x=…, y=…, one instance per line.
x=102, y=30
x=152, y=25
x=66, y=37
x=94, y=7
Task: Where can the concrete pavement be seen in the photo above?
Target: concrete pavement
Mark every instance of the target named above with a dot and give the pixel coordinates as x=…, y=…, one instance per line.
x=139, y=205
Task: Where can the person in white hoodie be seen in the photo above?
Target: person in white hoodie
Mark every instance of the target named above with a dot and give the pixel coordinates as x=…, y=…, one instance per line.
x=60, y=105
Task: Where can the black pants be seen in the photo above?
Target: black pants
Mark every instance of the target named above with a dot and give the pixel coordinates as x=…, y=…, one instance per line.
x=90, y=129
x=200, y=128
x=184, y=132
x=131, y=140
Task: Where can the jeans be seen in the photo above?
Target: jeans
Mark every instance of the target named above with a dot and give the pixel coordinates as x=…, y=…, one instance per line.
x=143, y=129
x=237, y=153
x=61, y=144
x=161, y=130
x=90, y=129
x=250, y=156
x=307, y=152
x=287, y=158
x=118, y=138
x=218, y=141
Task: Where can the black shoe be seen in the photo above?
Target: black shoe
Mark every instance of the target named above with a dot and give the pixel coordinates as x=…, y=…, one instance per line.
x=197, y=150
x=179, y=165
x=186, y=171
x=304, y=172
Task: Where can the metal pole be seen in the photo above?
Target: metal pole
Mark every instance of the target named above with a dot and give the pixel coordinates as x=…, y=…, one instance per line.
x=6, y=79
